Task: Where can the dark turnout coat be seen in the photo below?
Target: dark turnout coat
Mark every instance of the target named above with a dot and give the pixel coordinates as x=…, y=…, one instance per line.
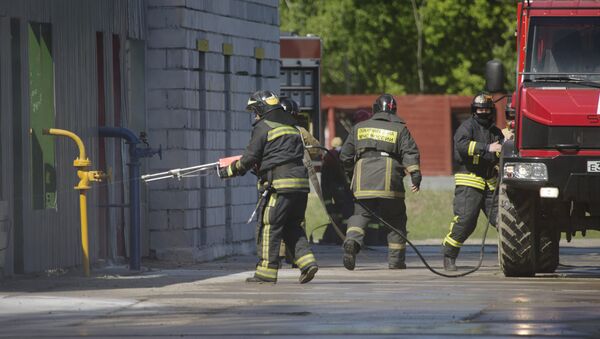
x=376, y=154
x=476, y=164
x=275, y=151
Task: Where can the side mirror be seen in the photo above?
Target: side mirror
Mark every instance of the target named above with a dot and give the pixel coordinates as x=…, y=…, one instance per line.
x=509, y=111
x=494, y=76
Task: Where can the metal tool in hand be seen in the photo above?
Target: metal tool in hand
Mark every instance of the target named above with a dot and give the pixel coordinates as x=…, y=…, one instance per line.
x=180, y=172
x=189, y=171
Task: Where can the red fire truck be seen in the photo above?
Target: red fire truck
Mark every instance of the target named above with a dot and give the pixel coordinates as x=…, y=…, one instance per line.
x=550, y=171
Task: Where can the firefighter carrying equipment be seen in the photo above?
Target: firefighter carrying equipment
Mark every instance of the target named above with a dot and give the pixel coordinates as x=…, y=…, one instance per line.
x=310, y=145
x=376, y=154
x=476, y=179
x=276, y=151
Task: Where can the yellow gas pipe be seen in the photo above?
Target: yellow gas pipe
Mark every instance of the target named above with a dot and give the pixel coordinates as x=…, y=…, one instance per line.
x=85, y=176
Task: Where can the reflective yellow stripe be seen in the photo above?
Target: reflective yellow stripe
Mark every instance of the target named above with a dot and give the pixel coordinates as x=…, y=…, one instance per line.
x=469, y=179
x=358, y=173
x=273, y=199
x=451, y=242
x=471, y=149
x=229, y=171
x=396, y=246
x=413, y=168
x=290, y=183
x=267, y=227
x=454, y=221
x=355, y=229
x=279, y=131
x=491, y=183
x=469, y=176
x=470, y=184
x=266, y=272
x=305, y=260
x=476, y=159
x=388, y=173
x=378, y=194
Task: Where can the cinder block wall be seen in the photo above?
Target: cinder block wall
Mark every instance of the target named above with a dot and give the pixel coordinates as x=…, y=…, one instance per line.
x=204, y=58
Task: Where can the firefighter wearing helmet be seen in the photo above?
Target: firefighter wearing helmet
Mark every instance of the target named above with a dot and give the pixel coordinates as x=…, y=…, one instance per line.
x=291, y=107
x=376, y=155
x=477, y=145
x=275, y=151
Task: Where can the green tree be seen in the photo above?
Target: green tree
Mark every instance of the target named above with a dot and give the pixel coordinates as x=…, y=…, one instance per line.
x=370, y=46
x=460, y=37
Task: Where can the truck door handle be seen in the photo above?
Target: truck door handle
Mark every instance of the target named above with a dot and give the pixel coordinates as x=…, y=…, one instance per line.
x=567, y=147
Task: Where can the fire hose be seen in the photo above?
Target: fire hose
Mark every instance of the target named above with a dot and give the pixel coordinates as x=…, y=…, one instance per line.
x=179, y=173
x=397, y=231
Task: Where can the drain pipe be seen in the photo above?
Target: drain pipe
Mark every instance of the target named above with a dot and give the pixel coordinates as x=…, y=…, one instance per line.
x=135, y=153
x=81, y=163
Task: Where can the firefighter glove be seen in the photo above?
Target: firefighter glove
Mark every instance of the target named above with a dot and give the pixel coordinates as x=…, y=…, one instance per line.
x=415, y=178
x=228, y=171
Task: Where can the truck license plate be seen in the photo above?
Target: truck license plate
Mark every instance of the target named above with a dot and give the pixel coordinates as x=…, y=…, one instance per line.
x=593, y=166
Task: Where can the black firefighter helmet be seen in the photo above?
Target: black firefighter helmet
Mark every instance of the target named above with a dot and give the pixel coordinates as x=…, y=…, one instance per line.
x=483, y=100
x=385, y=103
x=263, y=102
x=290, y=106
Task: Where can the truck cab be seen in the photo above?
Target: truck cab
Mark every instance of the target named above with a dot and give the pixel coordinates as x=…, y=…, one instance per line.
x=550, y=170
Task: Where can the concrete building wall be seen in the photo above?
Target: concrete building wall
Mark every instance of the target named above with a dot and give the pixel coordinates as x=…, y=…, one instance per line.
x=204, y=58
x=55, y=71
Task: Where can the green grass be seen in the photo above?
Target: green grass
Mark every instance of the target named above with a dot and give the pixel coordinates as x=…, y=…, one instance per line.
x=429, y=215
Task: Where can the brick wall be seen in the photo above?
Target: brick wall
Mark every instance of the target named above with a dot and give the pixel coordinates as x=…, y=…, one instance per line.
x=202, y=62
x=428, y=117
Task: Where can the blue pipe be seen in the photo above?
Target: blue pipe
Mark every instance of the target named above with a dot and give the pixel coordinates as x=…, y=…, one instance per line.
x=135, y=154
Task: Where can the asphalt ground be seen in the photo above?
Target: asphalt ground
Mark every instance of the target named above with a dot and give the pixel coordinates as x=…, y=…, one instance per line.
x=211, y=299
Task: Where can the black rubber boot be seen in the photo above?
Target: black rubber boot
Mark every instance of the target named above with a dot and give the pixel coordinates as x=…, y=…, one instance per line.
x=257, y=280
x=449, y=263
x=308, y=274
x=350, y=249
x=397, y=266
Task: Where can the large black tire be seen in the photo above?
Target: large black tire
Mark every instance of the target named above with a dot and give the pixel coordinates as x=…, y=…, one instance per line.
x=516, y=237
x=548, y=249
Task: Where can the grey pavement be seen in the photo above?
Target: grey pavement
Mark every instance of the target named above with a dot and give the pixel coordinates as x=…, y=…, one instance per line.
x=211, y=299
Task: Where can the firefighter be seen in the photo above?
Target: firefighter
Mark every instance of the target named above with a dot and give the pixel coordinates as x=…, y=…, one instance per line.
x=338, y=202
x=375, y=155
x=477, y=144
x=291, y=107
x=276, y=150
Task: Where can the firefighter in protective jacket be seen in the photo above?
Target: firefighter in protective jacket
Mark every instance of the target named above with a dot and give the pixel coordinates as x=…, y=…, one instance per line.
x=275, y=151
x=376, y=155
x=477, y=145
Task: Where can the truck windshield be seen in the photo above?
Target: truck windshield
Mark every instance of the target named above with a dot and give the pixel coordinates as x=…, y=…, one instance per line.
x=566, y=48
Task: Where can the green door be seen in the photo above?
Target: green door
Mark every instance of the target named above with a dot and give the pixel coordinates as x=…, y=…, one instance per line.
x=41, y=108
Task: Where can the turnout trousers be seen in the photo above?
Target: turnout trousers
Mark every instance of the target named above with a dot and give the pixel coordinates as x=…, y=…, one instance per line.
x=282, y=216
x=391, y=210
x=468, y=202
